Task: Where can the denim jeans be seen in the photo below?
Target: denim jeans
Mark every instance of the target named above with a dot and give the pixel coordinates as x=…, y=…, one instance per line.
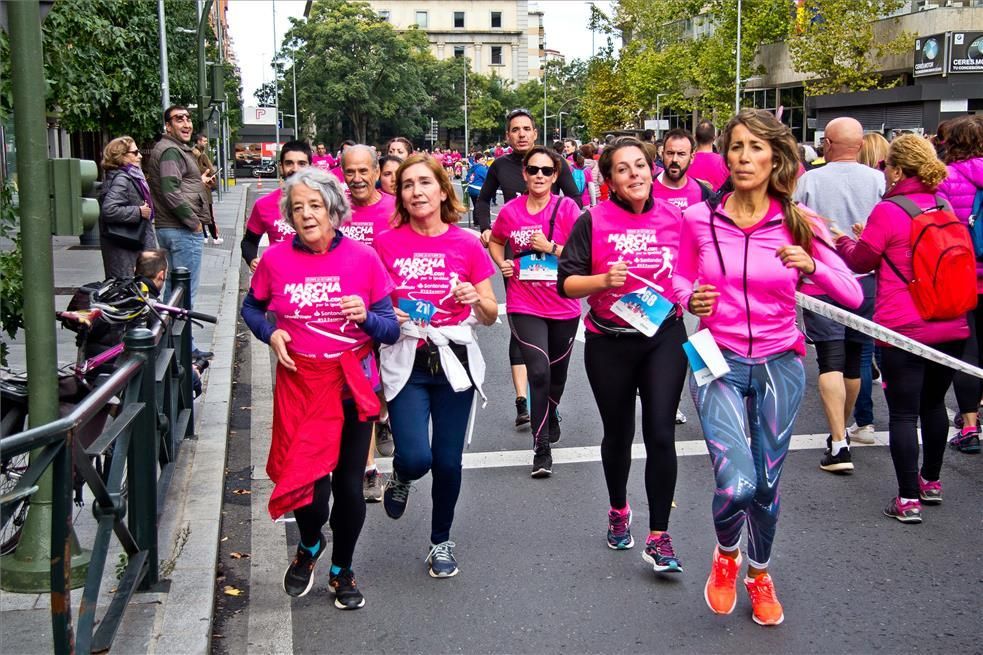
x=429, y=397
x=184, y=248
x=863, y=410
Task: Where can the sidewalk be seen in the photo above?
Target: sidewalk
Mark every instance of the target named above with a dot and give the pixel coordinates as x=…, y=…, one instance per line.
x=175, y=617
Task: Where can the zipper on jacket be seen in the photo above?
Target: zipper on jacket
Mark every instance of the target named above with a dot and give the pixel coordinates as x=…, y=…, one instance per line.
x=747, y=301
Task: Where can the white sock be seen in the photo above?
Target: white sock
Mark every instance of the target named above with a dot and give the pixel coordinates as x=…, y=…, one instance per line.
x=369, y=469
x=837, y=446
x=908, y=500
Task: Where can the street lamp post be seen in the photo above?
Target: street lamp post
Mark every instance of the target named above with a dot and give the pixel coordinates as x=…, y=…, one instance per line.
x=276, y=98
x=737, y=75
x=165, y=85
x=467, y=141
x=560, y=124
x=658, y=115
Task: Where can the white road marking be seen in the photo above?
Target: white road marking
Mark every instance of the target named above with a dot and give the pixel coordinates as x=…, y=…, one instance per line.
x=580, y=454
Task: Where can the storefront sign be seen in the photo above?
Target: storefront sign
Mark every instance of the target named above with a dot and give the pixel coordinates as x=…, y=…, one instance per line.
x=965, y=53
x=930, y=55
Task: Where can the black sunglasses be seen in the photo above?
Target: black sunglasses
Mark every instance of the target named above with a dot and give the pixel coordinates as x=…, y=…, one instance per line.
x=882, y=164
x=545, y=170
x=133, y=152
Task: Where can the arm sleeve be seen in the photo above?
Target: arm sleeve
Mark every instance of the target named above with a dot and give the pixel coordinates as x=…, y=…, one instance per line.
x=116, y=206
x=482, y=206
x=833, y=277
x=865, y=254
x=576, y=256
x=250, y=245
x=171, y=164
x=380, y=321
x=253, y=313
x=568, y=186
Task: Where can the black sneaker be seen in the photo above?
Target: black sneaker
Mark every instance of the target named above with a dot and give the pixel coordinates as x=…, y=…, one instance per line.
x=384, y=443
x=395, y=497
x=201, y=354
x=521, y=412
x=841, y=462
x=299, y=576
x=542, y=465
x=554, y=425
x=441, y=560
x=346, y=593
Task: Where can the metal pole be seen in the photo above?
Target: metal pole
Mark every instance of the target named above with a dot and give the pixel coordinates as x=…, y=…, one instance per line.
x=658, y=116
x=202, y=24
x=544, y=99
x=220, y=150
x=737, y=76
x=38, y=561
x=276, y=97
x=467, y=140
x=560, y=124
x=165, y=84
x=293, y=69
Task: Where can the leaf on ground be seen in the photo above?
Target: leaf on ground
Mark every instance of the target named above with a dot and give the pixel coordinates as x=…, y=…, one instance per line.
x=225, y=538
x=237, y=555
x=241, y=492
x=229, y=590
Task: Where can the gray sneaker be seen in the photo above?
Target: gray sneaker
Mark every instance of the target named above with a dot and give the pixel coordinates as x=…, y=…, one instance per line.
x=441, y=561
x=861, y=433
x=372, y=486
x=384, y=443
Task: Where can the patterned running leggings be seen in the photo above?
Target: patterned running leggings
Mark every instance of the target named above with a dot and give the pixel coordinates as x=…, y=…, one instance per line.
x=747, y=418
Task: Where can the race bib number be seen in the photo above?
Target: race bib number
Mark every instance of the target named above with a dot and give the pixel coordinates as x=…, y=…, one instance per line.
x=539, y=266
x=420, y=311
x=644, y=309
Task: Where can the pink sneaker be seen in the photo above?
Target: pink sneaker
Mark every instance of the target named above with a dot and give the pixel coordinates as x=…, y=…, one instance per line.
x=930, y=492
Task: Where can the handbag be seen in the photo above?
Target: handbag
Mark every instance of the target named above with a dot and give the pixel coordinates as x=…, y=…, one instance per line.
x=127, y=235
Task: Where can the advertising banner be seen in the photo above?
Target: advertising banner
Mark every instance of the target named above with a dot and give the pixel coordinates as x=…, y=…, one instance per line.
x=966, y=52
x=930, y=55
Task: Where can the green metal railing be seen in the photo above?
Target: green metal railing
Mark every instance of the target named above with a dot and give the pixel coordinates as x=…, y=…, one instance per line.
x=156, y=414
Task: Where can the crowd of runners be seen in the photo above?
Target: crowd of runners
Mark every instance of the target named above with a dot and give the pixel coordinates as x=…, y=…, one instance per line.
x=373, y=298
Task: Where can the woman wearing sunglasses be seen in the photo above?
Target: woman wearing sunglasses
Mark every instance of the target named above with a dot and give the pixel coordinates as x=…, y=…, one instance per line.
x=126, y=213
x=620, y=255
x=535, y=226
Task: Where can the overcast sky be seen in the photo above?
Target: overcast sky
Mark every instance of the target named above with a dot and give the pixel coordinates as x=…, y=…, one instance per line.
x=251, y=27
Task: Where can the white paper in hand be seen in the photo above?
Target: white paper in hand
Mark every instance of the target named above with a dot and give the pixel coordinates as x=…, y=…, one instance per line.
x=705, y=358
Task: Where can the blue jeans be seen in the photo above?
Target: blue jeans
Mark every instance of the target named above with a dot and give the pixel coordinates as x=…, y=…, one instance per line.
x=863, y=410
x=429, y=397
x=184, y=248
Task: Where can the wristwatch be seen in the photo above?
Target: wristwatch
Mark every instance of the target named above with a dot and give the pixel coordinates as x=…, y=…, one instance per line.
x=553, y=250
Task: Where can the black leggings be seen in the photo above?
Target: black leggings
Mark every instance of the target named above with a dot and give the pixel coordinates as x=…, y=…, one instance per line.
x=655, y=368
x=967, y=387
x=348, y=513
x=915, y=389
x=546, y=345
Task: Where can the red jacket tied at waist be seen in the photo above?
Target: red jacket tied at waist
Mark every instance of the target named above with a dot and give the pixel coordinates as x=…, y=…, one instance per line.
x=307, y=422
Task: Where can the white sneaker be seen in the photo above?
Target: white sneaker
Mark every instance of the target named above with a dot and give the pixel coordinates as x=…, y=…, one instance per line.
x=680, y=417
x=218, y=241
x=861, y=433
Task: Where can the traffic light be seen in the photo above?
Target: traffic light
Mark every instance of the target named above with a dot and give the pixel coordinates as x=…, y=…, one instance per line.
x=71, y=181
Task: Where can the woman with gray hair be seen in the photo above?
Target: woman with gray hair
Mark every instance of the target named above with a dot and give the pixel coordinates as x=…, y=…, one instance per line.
x=330, y=297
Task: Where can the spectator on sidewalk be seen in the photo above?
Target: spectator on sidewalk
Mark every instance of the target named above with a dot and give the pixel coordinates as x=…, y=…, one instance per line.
x=200, y=151
x=125, y=205
x=180, y=198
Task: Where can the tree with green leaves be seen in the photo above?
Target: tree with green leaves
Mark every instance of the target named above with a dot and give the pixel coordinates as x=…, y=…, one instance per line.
x=353, y=66
x=834, y=42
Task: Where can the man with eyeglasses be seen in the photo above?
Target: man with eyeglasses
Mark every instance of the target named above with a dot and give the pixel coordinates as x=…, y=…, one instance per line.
x=505, y=173
x=844, y=192
x=181, y=198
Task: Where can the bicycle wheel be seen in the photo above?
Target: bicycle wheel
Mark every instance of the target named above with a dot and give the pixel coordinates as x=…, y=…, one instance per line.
x=11, y=471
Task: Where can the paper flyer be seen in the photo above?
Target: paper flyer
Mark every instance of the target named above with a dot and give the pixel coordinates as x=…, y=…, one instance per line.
x=705, y=358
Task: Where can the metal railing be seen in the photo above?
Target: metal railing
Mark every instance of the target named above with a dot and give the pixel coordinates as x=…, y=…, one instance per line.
x=155, y=415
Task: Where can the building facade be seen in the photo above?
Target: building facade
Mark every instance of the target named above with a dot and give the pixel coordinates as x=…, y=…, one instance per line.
x=495, y=35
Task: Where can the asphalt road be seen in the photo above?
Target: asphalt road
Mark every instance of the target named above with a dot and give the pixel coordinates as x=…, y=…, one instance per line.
x=536, y=575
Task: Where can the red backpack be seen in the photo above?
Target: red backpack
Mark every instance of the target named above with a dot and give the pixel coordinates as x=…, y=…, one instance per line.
x=943, y=261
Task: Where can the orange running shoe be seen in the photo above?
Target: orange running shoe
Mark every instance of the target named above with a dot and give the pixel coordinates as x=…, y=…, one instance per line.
x=720, y=591
x=766, y=610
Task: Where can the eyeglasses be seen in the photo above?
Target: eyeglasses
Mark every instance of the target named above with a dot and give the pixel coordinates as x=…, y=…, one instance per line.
x=517, y=112
x=882, y=164
x=545, y=170
x=180, y=118
x=133, y=152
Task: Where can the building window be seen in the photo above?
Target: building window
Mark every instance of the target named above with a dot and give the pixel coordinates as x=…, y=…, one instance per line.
x=421, y=19
x=496, y=19
x=458, y=51
x=384, y=14
x=459, y=19
x=496, y=55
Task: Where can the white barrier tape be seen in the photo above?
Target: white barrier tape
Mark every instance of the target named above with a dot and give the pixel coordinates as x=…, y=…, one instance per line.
x=885, y=335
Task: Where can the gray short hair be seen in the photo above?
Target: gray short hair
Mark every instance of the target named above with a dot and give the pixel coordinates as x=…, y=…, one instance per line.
x=339, y=211
x=360, y=147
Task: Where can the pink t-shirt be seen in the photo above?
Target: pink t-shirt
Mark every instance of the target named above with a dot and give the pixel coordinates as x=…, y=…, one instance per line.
x=324, y=162
x=265, y=219
x=709, y=167
x=370, y=221
x=690, y=194
x=340, y=174
x=428, y=268
x=516, y=226
x=304, y=291
x=648, y=243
